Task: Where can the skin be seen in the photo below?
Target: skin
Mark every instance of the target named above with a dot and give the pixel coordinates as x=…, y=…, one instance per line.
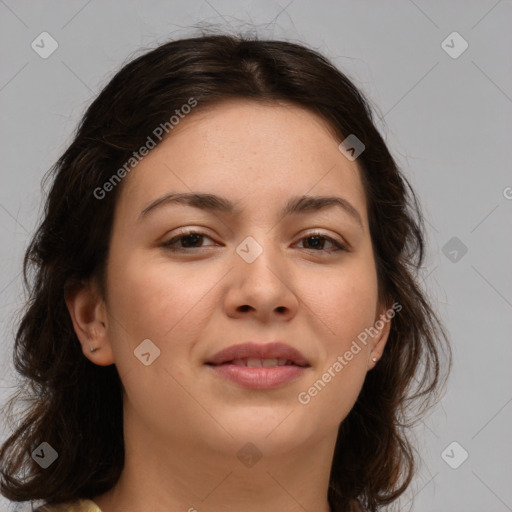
x=183, y=424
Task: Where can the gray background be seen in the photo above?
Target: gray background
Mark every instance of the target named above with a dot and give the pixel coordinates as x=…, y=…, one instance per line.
x=447, y=120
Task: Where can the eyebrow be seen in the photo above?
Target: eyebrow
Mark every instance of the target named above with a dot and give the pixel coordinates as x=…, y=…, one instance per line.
x=211, y=202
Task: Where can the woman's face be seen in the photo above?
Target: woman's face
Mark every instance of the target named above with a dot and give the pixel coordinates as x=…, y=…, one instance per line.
x=253, y=275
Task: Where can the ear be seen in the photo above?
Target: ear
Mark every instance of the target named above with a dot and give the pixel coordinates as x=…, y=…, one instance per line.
x=90, y=321
x=382, y=326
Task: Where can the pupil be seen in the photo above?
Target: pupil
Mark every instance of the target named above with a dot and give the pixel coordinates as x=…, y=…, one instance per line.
x=188, y=237
x=318, y=241
x=193, y=239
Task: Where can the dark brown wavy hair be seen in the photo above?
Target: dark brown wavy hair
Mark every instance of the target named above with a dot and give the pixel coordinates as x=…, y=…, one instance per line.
x=66, y=397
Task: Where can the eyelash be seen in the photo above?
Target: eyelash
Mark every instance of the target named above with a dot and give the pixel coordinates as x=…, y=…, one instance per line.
x=169, y=244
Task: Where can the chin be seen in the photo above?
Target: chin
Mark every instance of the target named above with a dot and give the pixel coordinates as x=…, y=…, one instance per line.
x=275, y=429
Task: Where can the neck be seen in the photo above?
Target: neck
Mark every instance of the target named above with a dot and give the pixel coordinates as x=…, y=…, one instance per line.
x=192, y=475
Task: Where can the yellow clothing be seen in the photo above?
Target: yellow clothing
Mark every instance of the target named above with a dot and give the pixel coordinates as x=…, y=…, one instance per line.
x=71, y=506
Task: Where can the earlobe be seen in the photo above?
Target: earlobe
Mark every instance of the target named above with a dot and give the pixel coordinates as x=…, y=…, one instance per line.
x=89, y=317
x=383, y=326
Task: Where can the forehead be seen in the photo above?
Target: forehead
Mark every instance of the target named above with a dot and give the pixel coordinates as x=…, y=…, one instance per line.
x=239, y=148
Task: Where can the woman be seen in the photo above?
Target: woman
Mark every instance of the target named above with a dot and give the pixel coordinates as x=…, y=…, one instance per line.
x=225, y=309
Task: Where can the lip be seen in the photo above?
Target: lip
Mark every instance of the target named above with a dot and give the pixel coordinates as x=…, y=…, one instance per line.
x=259, y=378
x=222, y=363
x=273, y=350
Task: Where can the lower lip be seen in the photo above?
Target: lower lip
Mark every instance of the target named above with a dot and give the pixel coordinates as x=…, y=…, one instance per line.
x=259, y=378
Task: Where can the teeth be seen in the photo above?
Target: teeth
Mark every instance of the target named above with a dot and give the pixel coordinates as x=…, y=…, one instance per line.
x=252, y=362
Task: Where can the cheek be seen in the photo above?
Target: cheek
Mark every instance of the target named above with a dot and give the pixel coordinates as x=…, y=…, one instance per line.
x=151, y=299
x=166, y=304
x=331, y=395
x=342, y=300
x=346, y=307
x=342, y=305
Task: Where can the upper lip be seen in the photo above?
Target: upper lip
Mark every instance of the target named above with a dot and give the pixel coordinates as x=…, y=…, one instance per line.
x=274, y=350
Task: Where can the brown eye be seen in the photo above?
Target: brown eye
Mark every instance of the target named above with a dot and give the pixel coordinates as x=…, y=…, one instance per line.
x=316, y=242
x=191, y=240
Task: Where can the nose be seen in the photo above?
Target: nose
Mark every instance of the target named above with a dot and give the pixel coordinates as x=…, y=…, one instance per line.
x=261, y=288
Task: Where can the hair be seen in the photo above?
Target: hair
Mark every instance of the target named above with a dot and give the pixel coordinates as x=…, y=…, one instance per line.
x=68, y=396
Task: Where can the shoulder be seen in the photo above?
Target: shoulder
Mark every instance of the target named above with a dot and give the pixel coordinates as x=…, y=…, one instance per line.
x=82, y=505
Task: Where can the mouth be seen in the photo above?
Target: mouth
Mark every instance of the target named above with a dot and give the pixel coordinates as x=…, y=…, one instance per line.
x=253, y=362
x=257, y=355
x=257, y=366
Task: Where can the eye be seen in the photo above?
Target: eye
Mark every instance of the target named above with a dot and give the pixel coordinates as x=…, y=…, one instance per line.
x=193, y=239
x=189, y=240
x=316, y=242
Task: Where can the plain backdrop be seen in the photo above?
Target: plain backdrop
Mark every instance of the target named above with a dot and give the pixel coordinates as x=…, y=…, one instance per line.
x=445, y=111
